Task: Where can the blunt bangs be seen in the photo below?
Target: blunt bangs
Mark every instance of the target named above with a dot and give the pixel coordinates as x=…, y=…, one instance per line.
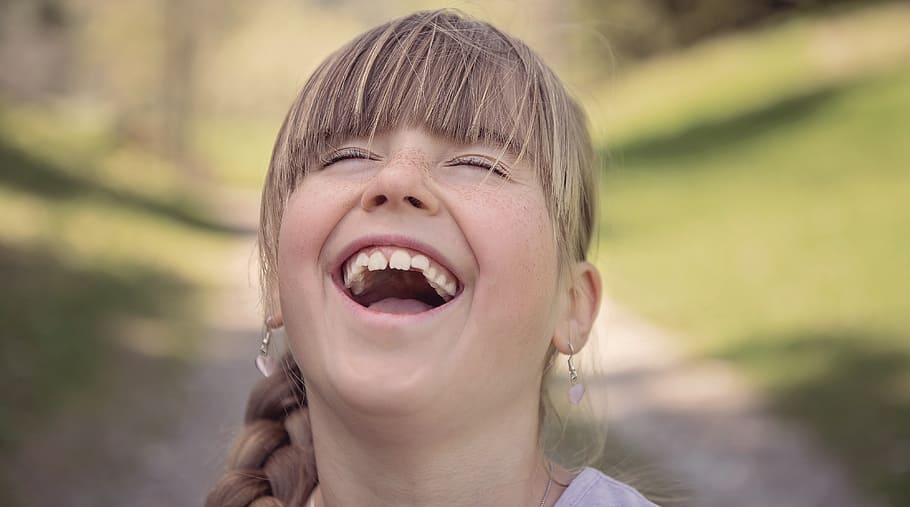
x=461, y=84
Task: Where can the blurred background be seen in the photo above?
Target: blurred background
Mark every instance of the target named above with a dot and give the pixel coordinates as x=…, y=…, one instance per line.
x=756, y=218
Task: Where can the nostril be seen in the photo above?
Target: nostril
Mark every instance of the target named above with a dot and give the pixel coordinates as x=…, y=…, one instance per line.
x=415, y=202
x=379, y=200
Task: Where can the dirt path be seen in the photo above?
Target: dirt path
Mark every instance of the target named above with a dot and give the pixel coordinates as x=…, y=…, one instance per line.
x=158, y=434
x=215, y=394
x=215, y=389
x=703, y=424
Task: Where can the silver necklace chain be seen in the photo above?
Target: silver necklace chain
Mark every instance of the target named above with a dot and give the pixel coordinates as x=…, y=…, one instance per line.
x=546, y=492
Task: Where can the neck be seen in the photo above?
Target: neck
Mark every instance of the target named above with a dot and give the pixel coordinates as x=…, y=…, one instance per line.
x=429, y=462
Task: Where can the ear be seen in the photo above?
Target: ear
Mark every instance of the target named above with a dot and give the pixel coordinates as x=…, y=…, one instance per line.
x=584, y=293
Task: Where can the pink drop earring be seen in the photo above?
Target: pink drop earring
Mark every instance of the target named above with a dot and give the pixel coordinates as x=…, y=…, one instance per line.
x=576, y=389
x=265, y=363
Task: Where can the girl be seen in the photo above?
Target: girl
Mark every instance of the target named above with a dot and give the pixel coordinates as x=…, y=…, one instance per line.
x=424, y=225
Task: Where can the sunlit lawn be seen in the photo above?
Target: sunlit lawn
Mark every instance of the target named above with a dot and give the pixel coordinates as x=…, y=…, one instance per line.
x=104, y=256
x=775, y=235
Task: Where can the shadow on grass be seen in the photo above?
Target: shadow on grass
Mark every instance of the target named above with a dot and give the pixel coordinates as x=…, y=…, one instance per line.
x=59, y=326
x=22, y=171
x=725, y=134
x=851, y=391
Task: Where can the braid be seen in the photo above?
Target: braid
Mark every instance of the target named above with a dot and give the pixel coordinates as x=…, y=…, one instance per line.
x=272, y=462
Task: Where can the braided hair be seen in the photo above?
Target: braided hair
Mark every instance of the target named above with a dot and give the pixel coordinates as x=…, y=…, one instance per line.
x=272, y=462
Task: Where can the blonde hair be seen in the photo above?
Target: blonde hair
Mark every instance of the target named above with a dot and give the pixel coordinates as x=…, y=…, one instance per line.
x=455, y=77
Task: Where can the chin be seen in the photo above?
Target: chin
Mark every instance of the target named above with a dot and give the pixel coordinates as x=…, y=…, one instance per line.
x=379, y=385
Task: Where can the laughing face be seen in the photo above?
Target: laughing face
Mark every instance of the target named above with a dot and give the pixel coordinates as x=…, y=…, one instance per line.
x=419, y=275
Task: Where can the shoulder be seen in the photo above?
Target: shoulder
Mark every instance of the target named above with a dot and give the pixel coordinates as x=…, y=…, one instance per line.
x=591, y=488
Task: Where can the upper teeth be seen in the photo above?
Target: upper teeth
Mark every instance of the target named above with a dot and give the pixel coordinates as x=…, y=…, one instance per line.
x=397, y=258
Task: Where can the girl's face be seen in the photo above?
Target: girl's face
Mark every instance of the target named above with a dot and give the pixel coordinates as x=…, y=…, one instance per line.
x=393, y=343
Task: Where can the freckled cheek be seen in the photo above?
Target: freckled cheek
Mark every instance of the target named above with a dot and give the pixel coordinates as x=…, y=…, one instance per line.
x=312, y=211
x=524, y=273
x=537, y=272
x=519, y=243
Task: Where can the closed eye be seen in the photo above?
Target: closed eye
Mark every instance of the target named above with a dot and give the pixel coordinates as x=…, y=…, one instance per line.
x=346, y=154
x=492, y=166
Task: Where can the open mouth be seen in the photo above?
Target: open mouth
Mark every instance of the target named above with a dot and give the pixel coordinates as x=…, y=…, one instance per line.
x=397, y=280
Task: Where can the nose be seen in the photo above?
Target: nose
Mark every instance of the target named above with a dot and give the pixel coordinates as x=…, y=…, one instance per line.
x=401, y=184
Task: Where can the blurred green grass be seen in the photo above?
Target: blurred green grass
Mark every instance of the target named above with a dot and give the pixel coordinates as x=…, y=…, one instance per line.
x=766, y=222
x=105, y=251
x=236, y=147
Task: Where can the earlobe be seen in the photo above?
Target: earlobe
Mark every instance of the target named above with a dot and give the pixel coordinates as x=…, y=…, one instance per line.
x=275, y=320
x=273, y=316
x=581, y=312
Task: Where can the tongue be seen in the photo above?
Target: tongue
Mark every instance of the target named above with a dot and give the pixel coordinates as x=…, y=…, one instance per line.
x=395, y=305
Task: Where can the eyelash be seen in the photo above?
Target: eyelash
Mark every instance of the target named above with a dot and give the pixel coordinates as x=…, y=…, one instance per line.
x=494, y=167
x=356, y=153
x=346, y=154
